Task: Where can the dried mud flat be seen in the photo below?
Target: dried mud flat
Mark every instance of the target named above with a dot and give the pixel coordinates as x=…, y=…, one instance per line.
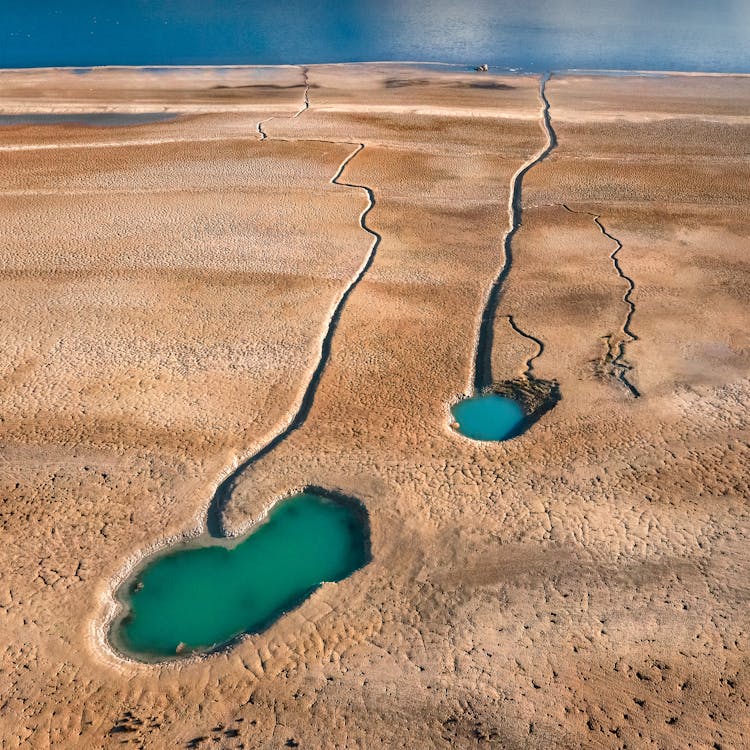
x=164, y=292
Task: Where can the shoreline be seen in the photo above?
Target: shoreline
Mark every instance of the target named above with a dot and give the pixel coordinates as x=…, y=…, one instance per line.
x=468, y=67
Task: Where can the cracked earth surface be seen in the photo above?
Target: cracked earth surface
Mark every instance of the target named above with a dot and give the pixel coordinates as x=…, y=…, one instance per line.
x=163, y=292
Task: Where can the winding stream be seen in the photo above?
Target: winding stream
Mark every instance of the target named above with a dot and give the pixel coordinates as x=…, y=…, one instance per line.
x=616, y=352
x=341, y=537
x=493, y=411
x=482, y=371
x=305, y=106
x=214, y=524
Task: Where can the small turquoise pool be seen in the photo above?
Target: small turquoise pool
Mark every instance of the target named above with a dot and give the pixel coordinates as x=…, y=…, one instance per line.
x=488, y=417
x=200, y=598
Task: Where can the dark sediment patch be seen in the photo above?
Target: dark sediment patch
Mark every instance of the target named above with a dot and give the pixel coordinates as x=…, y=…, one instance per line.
x=397, y=83
x=486, y=85
x=265, y=87
x=535, y=396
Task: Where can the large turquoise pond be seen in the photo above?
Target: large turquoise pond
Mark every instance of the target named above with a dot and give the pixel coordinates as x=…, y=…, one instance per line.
x=488, y=417
x=199, y=598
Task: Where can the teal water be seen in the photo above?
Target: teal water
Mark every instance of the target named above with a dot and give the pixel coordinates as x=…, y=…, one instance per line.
x=488, y=417
x=195, y=599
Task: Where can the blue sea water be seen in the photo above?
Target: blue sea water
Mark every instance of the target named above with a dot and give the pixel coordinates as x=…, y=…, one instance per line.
x=710, y=35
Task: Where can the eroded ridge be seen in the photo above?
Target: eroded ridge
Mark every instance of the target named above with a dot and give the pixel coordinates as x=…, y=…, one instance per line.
x=305, y=106
x=482, y=374
x=214, y=522
x=615, y=354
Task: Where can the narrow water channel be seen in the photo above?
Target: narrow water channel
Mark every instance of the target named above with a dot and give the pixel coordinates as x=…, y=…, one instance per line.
x=492, y=412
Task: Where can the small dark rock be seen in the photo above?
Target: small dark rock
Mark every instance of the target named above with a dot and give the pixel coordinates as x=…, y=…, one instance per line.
x=121, y=728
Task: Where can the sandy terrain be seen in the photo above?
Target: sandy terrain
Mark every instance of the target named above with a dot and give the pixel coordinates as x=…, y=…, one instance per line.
x=164, y=290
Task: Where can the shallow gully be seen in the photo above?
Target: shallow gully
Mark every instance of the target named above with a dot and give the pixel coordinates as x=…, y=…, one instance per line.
x=214, y=515
x=482, y=368
x=616, y=354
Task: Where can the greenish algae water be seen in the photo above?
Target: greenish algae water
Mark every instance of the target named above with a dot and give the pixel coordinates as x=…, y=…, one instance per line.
x=488, y=417
x=200, y=598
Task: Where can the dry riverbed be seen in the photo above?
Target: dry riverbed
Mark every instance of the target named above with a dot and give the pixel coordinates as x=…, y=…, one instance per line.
x=164, y=292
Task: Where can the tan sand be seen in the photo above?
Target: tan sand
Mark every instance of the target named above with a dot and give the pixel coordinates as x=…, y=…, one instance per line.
x=164, y=292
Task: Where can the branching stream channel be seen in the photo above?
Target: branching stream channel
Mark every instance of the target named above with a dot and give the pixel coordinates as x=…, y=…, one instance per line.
x=503, y=410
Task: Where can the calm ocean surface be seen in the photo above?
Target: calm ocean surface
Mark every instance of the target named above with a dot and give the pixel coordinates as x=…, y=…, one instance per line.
x=711, y=35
